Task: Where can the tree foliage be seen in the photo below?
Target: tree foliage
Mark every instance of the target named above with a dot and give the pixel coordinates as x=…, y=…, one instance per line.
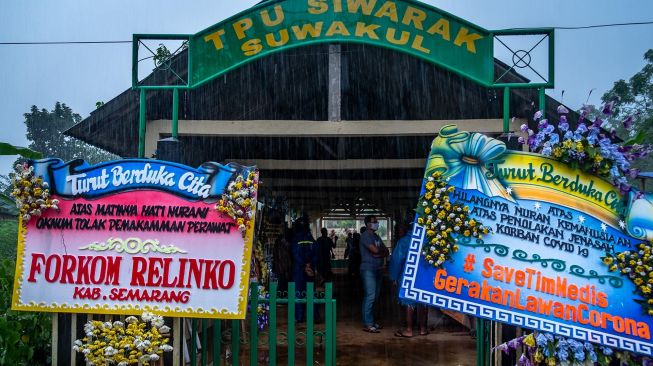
x=634, y=98
x=24, y=336
x=45, y=133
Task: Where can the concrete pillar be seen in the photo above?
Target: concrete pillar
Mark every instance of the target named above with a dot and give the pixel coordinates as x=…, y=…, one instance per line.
x=335, y=86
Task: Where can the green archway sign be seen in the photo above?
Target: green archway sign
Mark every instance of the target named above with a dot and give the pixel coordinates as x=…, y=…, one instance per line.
x=406, y=26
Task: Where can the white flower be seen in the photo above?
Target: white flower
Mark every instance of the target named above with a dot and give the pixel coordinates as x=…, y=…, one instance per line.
x=147, y=316
x=456, y=228
x=242, y=228
x=157, y=321
x=425, y=203
x=166, y=348
x=78, y=343
x=154, y=357
x=86, y=351
x=144, y=358
x=118, y=324
x=164, y=329
x=131, y=319
x=123, y=363
x=88, y=328
x=108, y=325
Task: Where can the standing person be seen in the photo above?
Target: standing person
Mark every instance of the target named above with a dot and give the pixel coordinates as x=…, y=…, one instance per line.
x=349, y=241
x=325, y=245
x=282, y=262
x=334, y=239
x=305, y=254
x=397, y=262
x=372, y=253
x=355, y=255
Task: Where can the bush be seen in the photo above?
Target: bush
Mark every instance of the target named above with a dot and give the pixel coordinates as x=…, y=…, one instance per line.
x=8, y=238
x=24, y=336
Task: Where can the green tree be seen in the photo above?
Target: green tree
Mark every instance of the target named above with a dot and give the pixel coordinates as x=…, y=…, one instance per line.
x=25, y=337
x=633, y=98
x=45, y=133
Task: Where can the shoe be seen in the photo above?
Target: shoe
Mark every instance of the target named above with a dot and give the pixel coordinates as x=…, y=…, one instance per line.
x=400, y=334
x=371, y=329
x=378, y=326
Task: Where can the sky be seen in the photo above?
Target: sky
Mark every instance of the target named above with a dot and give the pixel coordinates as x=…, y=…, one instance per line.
x=81, y=75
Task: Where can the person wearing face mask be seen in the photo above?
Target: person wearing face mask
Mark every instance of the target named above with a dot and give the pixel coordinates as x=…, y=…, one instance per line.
x=373, y=251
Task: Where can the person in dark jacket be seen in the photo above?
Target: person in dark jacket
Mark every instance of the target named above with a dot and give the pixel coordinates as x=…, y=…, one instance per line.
x=305, y=254
x=325, y=244
x=355, y=256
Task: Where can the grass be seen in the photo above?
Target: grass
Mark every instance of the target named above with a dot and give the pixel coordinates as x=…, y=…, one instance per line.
x=8, y=238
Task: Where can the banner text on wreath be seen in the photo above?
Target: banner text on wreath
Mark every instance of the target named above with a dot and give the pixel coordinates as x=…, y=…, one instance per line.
x=524, y=239
x=135, y=234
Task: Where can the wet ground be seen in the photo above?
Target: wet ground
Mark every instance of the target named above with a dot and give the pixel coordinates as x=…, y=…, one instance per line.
x=448, y=343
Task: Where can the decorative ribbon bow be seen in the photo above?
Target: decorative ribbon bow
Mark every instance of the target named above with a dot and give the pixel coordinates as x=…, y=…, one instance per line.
x=461, y=157
x=639, y=215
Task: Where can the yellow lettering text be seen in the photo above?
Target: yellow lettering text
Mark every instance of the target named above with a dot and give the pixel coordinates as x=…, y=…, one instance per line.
x=317, y=6
x=467, y=38
x=216, y=38
x=441, y=27
x=363, y=29
x=414, y=15
x=252, y=47
x=388, y=9
x=391, y=34
x=417, y=44
x=337, y=27
x=353, y=6
x=272, y=41
x=278, y=16
x=337, y=6
x=307, y=29
x=241, y=26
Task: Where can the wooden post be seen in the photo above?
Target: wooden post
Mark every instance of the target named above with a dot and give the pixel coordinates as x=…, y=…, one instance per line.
x=335, y=88
x=177, y=339
x=55, y=339
x=73, y=337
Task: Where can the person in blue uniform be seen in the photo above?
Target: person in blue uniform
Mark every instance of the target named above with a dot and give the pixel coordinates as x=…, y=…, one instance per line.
x=305, y=254
x=396, y=268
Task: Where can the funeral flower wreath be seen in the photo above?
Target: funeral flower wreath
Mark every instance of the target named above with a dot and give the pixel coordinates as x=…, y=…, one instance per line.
x=132, y=342
x=444, y=221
